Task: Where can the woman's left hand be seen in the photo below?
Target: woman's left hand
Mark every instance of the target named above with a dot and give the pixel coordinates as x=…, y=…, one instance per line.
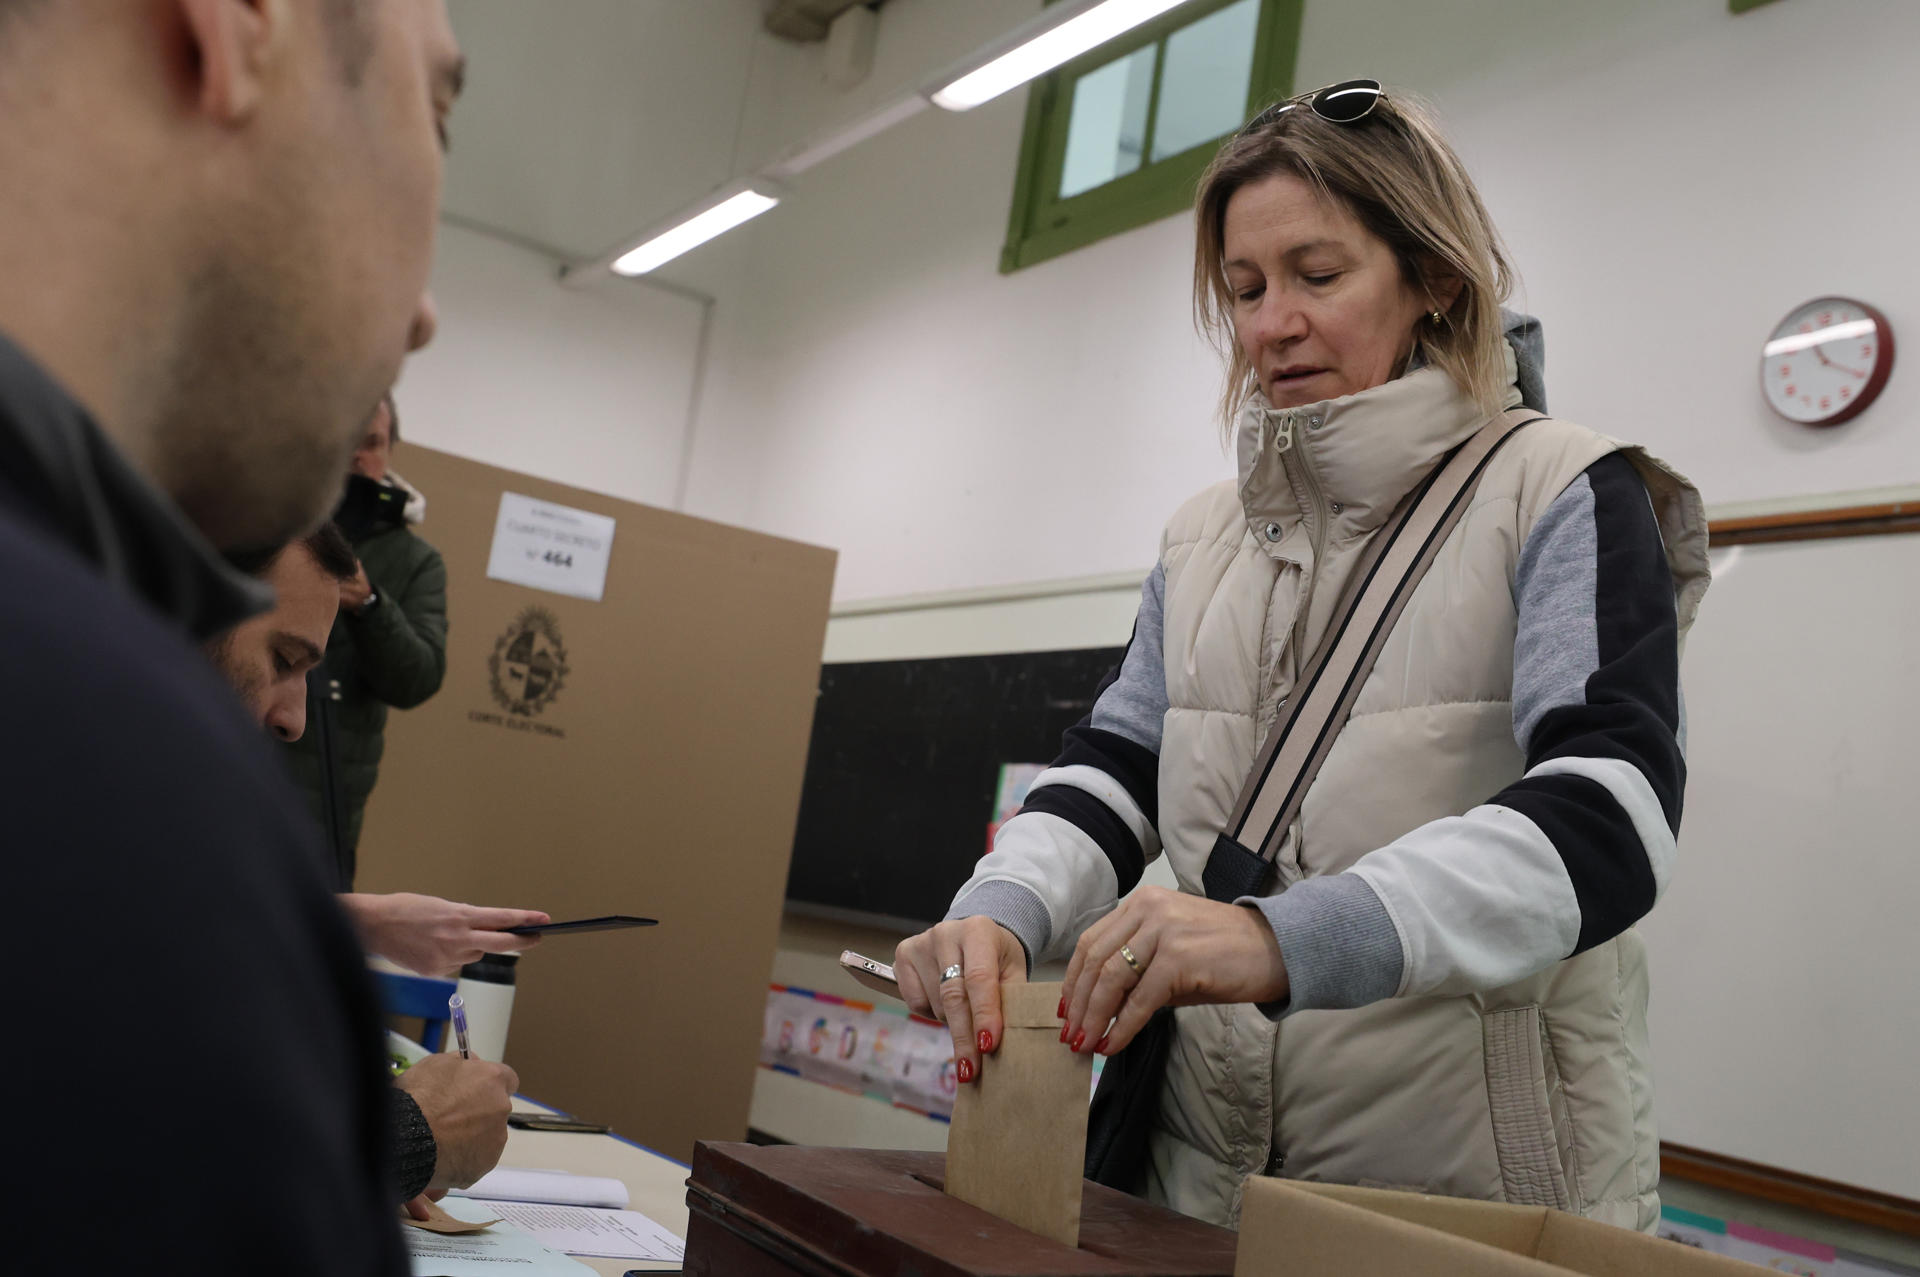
x=1189, y=950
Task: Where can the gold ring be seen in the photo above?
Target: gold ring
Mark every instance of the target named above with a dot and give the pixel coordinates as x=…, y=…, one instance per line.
x=1132, y=961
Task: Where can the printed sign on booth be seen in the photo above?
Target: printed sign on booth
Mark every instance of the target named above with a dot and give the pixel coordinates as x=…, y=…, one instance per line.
x=551, y=547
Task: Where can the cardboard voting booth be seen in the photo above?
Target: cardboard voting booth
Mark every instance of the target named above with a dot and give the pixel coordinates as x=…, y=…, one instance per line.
x=1294, y=1229
x=622, y=729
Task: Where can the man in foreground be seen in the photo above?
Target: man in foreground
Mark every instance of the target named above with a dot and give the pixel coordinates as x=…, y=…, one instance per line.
x=218, y=223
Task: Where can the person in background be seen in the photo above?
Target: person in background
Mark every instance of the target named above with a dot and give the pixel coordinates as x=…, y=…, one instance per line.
x=449, y=1113
x=1441, y=988
x=267, y=659
x=389, y=645
x=216, y=235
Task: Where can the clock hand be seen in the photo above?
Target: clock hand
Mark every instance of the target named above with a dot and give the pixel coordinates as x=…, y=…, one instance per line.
x=1817, y=354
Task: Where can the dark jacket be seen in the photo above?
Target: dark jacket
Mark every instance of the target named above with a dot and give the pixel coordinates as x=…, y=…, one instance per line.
x=170, y=887
x=393, y=655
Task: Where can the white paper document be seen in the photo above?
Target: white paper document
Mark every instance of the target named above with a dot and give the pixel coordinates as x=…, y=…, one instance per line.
x=584, y=1230
x=500, y=1249
x=526, y=1184
x=551, y=547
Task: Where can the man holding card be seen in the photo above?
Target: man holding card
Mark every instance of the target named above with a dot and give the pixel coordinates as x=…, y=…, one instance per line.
x=449, y=1113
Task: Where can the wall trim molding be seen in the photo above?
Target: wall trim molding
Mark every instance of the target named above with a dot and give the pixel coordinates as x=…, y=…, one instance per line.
x=1106, y=583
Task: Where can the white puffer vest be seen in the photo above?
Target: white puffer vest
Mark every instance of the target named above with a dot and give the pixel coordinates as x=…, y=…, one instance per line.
x=1536, y=1093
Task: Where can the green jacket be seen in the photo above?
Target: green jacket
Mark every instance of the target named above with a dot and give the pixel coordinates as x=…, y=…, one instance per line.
x=395, y=655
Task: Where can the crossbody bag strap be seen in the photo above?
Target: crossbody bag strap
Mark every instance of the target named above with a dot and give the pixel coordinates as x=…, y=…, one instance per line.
x=1391, y=566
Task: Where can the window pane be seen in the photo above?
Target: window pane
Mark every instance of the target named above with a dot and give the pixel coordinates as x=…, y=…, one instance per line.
x=1107, y=129
x=1203, y=92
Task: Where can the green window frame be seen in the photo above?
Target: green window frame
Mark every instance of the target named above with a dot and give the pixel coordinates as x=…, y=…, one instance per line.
x=1043, y=225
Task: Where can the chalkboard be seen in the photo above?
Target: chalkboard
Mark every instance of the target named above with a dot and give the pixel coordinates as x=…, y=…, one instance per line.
x=902, y=769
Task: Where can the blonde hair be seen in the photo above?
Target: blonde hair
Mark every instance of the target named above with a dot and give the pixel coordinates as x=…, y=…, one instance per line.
x=1398, y=177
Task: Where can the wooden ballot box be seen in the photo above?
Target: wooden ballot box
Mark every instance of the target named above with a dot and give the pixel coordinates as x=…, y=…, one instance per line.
x=847, y=1212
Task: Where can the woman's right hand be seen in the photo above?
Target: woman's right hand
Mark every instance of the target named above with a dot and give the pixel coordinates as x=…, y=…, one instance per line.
x=988, y=956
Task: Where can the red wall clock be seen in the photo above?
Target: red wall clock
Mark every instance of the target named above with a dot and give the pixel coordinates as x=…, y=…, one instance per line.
x=1826, y=361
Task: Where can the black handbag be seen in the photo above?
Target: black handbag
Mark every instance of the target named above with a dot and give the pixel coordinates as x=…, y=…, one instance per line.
x=1127, y=1099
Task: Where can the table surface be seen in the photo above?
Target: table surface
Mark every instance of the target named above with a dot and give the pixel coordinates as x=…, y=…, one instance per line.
x=657, y=1184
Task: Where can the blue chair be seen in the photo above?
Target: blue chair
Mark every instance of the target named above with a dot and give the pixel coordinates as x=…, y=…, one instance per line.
x=417, y=997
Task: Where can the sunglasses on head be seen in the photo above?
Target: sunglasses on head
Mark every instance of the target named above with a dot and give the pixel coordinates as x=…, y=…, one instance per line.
x=1347, y=102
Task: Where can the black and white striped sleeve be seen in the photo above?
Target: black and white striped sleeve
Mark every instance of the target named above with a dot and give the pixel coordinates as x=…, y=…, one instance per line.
x=1580, y=847
x=1596, y=698
x=1089, y=824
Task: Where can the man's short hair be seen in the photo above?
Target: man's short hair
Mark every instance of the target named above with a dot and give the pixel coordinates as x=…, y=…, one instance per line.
x=327, y=544
x=329, y=548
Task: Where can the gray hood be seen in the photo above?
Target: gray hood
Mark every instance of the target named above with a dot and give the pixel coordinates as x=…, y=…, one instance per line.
x=1528, y=341
x=1529, y=344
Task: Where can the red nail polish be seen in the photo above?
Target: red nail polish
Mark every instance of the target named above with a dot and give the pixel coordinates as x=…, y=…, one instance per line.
x=1100, y=1047
x=966, y=1070
x=1061, y=1014
x=986, y=1041
x=1078, y=1040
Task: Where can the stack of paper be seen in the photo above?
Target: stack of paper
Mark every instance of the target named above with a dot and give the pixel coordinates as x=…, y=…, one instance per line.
x=577, y=1214
x=501, y=1248
x=588, y=1230
x=558, y=1188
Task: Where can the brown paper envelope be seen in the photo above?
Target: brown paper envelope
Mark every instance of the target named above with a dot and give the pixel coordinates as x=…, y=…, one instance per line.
x=438, y=1221
x=1018, y=1145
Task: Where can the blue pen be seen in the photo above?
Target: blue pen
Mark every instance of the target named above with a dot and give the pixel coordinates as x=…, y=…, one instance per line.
x=457, y=1005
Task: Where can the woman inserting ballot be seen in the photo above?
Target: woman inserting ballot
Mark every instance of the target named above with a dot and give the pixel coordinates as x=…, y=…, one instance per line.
x=1438, y=985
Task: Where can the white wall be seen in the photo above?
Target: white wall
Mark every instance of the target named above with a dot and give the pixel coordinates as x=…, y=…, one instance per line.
x=582, y=122
x=947, y=426
x=588, y=388
x=1670, y=178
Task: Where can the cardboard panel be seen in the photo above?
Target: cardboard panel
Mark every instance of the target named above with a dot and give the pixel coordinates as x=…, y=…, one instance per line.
x=1596, y=1250
x=1514, y=1228
x=1317, y=1230
x=1288, y=1233
x=653, y=767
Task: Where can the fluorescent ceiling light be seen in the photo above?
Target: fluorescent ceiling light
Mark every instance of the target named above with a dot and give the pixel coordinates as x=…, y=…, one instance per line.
x=1065, y=30
x=1041, y=53
x=693, y=231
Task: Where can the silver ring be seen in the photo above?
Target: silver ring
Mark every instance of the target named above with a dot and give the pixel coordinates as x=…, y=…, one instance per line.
x=951, y=973
x=1127, y=955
